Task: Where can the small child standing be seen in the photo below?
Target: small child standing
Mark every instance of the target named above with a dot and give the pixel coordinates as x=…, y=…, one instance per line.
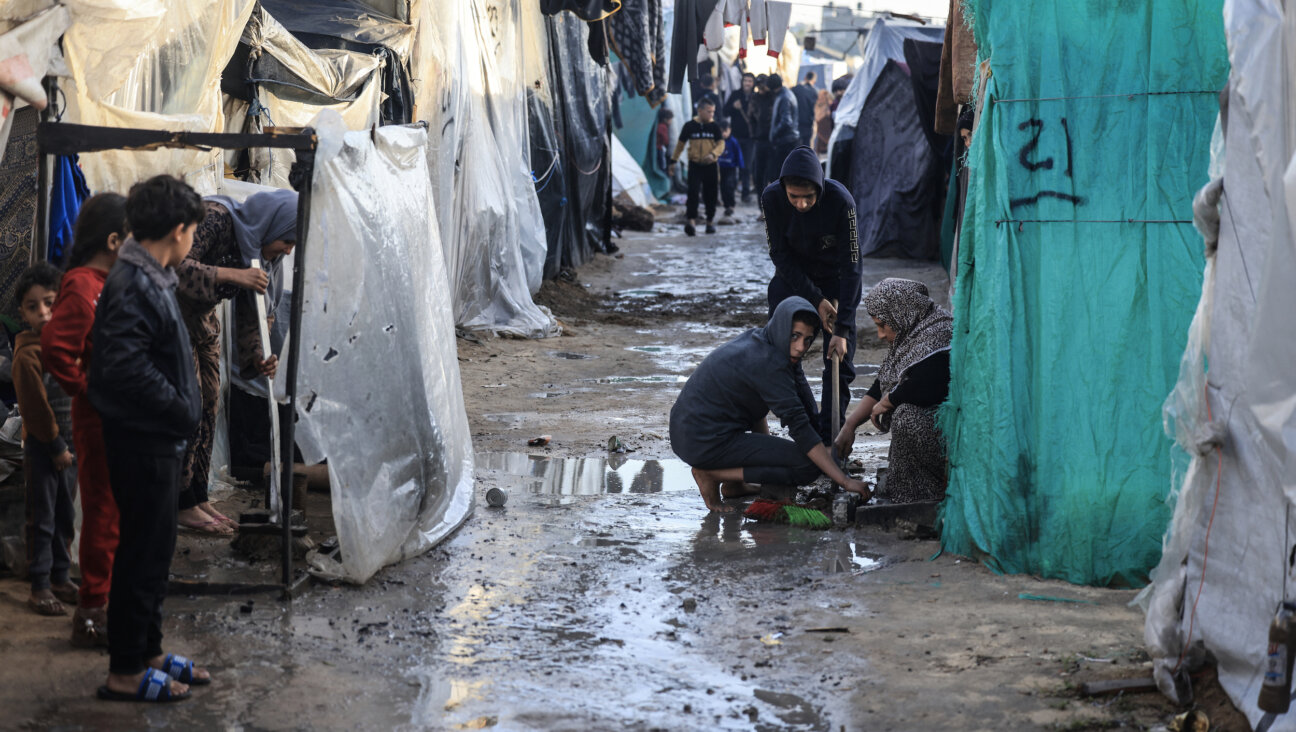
x=702, y=137
x=143, y=384
x=731, y=166
x=47, y=461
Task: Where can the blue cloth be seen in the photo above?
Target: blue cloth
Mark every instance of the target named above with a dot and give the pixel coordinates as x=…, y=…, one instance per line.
x=732, y=156
x=67, y=192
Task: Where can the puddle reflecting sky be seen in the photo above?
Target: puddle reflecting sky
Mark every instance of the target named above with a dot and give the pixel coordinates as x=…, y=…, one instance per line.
x=589, y=476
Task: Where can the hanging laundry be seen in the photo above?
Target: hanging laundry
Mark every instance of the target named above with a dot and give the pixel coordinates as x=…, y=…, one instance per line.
x=779, y=15
x=588, y=10
x=759, y=22
x=67, y=192
x=713, y=34
x=690, y=19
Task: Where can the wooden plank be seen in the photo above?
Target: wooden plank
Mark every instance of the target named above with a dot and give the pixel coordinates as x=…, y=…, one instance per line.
x=60, y=138
x=1113, y=686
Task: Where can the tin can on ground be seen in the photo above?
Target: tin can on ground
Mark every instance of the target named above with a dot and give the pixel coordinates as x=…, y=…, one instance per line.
x=843, y=508
x=496, y=498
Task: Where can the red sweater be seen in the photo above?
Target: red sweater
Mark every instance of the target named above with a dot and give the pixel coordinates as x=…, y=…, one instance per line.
x=65, y=340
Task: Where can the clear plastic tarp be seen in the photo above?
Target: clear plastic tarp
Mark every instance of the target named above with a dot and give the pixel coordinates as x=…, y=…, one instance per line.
x=1236, y=419
x=471, y=84
x=379, y=394
x=153, y=65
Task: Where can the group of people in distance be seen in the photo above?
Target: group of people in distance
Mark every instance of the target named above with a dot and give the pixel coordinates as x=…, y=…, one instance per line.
x=130, y=334
x=719, y=425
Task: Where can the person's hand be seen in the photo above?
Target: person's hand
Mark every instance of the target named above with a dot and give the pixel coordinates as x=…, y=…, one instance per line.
x=837, y=347
x=670, y=168
x=64, y=461
x=710, y=158
x=737, y=104
x=845, y=441
x=827, y=314
x=268, y=367
x=250, y=279
x=880, y=409
x=858, y=486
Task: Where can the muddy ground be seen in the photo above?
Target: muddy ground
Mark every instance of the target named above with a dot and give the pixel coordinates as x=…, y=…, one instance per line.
x=604, y=595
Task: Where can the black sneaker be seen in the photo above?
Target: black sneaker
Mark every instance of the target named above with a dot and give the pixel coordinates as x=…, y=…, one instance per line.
x=690, y=230
x=728, y=212
x=710, y=229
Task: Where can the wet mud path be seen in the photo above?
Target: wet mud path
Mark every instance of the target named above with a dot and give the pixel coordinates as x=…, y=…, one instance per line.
x=603, y=595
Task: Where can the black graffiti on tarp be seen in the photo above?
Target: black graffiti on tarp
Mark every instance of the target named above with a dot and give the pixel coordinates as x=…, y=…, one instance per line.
x=1025, y=157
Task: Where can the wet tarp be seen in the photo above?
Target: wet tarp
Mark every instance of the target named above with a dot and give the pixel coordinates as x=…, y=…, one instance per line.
x=628, y=177
x=896, y=167
x=1077, y=282
x=1238, y=489
x=380, y=396
x=471, y=80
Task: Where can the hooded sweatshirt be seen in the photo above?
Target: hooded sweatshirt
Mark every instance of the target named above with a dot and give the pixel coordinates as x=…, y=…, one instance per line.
x=815, y=253
x=743, y=380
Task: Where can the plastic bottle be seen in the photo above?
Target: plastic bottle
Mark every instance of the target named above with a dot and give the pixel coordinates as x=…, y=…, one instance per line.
x=1275, y=691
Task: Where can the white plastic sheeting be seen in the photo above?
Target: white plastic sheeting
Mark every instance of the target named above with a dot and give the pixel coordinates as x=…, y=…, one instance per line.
x=1238, y=419
x=153, y=65
x=628, y=177
x=471, y=82
x=26, y=53
x=379, y=393
x=885, y=42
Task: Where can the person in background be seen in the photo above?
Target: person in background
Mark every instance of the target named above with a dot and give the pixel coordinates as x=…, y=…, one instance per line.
x=740, y=110
x=701, y=135
x=100, y=231
x=783, y=125
x=218, y=268
x=762, y=117
x=662, y=140
x=708, y=94
x=823, y=122
x=731, y=165
x=806, y=95
x=911, y=383
x=143, y=384
x=48, y=463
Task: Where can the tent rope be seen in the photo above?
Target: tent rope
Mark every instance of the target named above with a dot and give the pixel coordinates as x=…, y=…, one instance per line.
x=1219, y=475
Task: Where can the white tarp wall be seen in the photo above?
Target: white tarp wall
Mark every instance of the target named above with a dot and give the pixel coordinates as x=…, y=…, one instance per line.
x=628, y=177
x=379, y=393
x=470, y=85
x=154, y=65
x=1238, y=419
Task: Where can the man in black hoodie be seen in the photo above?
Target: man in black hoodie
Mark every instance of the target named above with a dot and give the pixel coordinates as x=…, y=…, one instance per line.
x=718, y=424
x=810, y=228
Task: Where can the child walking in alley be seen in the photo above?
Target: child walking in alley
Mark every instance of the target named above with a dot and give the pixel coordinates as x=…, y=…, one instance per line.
x=65, y=348
x=47, y=460
x=731, y=166
x=143, y=384
x=705, y=146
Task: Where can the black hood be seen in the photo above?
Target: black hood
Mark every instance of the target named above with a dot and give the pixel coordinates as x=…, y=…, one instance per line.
x=778, y=331
x=804, y=163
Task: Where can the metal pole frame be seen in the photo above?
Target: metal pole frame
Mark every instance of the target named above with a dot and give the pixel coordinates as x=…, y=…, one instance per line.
x=54, y=138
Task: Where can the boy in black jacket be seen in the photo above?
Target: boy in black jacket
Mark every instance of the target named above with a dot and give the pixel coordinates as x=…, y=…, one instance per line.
x=143, y=385
x=705, y=146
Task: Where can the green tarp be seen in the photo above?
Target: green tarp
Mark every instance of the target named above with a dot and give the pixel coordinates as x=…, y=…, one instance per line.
x=1071, y=312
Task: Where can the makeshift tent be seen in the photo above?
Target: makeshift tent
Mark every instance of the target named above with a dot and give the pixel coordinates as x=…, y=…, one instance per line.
x=628, y=177
x=1225, y=565
x=887, y=153
x=1078, y=273
x=375, y=275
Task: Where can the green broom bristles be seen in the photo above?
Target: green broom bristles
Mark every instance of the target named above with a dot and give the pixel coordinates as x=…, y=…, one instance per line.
x=808, y=518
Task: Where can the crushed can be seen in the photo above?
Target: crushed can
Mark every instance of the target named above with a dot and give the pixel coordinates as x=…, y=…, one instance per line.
x=843, y=508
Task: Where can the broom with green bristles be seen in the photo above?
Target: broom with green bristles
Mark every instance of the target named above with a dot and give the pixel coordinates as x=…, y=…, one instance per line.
x=783, y=512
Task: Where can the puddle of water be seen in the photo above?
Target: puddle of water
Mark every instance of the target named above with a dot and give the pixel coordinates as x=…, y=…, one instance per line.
x=791, y=709
x=571, y=356
x=674, y=358
x=589, y=476
x=861, y=562
x=643, y=294
x=653, y=379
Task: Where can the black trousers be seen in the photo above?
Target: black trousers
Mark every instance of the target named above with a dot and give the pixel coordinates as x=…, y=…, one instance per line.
x=747, y=174
x=729, y=185
x=50, y=521
x=778, y=152
x=704, y=180
x=778, y=292
x=147, y=491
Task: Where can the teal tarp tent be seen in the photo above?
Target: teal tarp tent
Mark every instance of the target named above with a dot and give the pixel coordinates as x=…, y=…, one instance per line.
x=1078, y=276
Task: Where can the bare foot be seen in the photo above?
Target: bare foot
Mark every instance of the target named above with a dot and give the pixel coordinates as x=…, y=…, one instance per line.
x=211, y=511
x=43, y=602
x=198, y=520
x=710, y=489
x=736, y=488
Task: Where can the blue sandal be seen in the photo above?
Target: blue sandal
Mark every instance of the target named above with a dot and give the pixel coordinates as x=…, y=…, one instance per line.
x=154, y=687
x=182, y=669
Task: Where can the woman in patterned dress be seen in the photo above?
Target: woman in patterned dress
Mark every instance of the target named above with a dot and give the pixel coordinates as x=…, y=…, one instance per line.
x=911, y=383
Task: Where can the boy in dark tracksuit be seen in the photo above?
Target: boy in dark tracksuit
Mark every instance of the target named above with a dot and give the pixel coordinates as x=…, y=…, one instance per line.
x=810, y=227
x=705, y=146
x=731, y=165
x=47, y=461
x=143, y=384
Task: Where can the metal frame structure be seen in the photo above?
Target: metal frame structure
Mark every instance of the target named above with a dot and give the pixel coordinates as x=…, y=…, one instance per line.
x=56, y=138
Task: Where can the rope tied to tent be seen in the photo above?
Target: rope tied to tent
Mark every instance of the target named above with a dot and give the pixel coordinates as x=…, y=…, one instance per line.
x=1128, y=95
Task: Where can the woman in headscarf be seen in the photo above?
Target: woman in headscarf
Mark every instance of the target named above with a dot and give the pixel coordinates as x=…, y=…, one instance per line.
x=911, y=383
x=218, y=268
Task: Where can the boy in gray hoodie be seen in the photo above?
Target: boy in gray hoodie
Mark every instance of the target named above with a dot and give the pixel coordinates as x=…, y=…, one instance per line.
x=718, y=424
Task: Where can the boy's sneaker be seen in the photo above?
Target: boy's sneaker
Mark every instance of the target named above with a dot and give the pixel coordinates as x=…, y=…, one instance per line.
x=728, y=212
x=710, y=229
x=690, y=229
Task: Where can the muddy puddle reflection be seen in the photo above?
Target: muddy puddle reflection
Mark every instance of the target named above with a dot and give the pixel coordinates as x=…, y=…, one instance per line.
x=588, y=476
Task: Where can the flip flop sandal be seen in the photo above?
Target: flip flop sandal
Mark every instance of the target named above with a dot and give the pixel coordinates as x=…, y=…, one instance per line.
x=182, y=669
x=154, y=687
x=68, y=596
x=48, y=607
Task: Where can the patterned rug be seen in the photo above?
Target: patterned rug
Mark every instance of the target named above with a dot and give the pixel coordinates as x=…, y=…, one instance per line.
x=17, y=204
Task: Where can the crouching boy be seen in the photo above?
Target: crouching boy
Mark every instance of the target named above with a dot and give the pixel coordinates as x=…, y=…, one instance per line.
x=718, y=424
x=143, y=385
